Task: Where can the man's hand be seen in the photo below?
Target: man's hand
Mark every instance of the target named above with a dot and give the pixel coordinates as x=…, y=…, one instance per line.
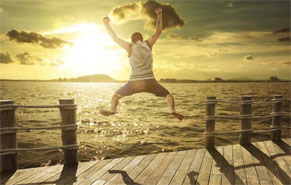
x=159, y=11
x=106, y=20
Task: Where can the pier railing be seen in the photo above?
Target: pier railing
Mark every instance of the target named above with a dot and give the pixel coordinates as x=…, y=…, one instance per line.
x=246, y=117
x=8, y=132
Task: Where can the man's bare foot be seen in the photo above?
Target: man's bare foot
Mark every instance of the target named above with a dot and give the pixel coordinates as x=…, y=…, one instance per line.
x=178, y=116
x=107, y=112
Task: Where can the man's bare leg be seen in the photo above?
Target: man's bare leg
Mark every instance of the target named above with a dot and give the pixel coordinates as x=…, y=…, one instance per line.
x=171, y=103
x=114, y=102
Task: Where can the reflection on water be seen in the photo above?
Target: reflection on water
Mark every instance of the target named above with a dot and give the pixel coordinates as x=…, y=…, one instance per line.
x=143, y=124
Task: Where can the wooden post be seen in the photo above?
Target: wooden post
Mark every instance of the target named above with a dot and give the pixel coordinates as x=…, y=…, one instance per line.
x=8, y=140
x=69, y=137
x=210, y=123
x=246, y=123
x=276, y=120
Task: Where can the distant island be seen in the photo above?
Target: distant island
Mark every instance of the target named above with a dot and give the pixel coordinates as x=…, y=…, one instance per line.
x=88, y=78
x=220, y=80
x=106, y=78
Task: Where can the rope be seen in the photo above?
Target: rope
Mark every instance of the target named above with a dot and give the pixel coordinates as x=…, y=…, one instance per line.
x=279, y=127
x=268, y=130
x=227, y=132
x=73, y=146
x=37, y=106
x=246, y=102
x=7, y=153
x=247, y=116
x=63, y=127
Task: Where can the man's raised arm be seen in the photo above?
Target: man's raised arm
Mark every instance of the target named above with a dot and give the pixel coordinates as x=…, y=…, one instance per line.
x=122, y=43
x=159, y=27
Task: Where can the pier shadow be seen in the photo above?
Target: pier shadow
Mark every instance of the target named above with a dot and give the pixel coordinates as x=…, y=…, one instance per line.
x=5, y=177
x=268, y=162
x=192, y=178
x=224, y=167
x=284, y=146
x=126, y=179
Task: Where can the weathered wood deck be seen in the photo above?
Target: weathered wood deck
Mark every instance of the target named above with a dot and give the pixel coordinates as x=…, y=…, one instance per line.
x=257, y=163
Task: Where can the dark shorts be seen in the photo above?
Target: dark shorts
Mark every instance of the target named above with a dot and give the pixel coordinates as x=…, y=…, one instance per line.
x=150, y=86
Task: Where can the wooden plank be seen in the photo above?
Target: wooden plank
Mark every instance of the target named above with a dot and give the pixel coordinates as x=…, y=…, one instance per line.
x=37, y=176
x=193, y=171
x=132, y=170
x=261, y=169
x=250, y=168
x=238, y=164
x=276, y=173
x=22, y=174
x=144, y=175
x=90, y=171
x=227, y=166
x=170, y=172
x=205, y=170
x=282, y=159
x=285, y=147
x=114, y=171
x=216, y=168
x=183, y=168
x=68, y=175
x=160, y=170
x=287, y=140
x=91, y=178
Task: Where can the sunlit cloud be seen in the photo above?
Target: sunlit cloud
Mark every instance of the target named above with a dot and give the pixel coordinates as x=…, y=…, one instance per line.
x=5, y=58
x=29, y=59
x=35, y=38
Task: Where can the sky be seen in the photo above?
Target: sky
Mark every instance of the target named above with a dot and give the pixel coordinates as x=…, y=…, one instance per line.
x=201, y=40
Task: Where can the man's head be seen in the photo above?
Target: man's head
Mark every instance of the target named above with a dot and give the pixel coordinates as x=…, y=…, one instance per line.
x=136, y=36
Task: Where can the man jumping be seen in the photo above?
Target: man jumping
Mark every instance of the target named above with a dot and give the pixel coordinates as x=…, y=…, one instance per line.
x=140, y=58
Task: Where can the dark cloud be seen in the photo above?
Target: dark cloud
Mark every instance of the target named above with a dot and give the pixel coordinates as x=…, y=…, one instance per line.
x=249, y=57
x=195, y=38
x=5, y=58
x=170, y=18
x=283, y=30
x=177, y=36
x=147, y=10
x=28, y=59
x=283, y=39
x=36, y=38
x=287, y=63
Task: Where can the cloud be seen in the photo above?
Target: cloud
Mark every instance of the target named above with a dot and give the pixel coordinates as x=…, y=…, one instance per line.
x=283, y=39
x=249, y=57
x=283, y=30
x=28, y=59
x=5, y=58
x=180, y=37
x=174, y=36
x=194, y=38
x=146, y=10
x=125, y=11
x=36, y=38
x=287, y=63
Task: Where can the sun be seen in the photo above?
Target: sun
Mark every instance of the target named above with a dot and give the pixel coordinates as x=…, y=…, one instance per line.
x=93, y=52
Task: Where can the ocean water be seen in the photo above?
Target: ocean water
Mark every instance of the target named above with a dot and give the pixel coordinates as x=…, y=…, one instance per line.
x=143, y=124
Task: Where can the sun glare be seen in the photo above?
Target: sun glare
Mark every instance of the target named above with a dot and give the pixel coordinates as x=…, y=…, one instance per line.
x=93, y=52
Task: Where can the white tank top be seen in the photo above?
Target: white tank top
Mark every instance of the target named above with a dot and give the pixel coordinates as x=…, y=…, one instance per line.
x=141, y=62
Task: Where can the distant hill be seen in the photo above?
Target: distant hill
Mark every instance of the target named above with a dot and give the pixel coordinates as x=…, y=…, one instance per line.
x=89, y=78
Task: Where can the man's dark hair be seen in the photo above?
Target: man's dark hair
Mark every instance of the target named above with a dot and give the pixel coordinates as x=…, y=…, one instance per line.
x=136, y=36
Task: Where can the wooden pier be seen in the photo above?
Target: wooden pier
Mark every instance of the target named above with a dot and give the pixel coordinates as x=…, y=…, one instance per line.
x=265, y=162
x=262, y=163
